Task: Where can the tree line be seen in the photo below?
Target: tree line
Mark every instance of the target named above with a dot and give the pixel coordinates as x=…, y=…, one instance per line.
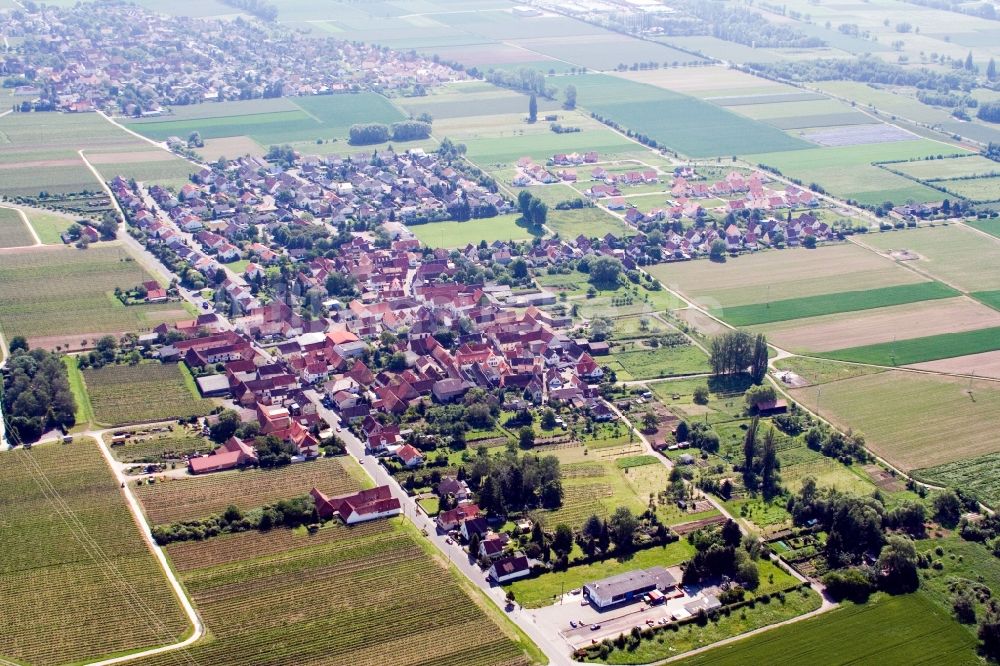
x=737, y=352
x=36, y=392
x=364, y=134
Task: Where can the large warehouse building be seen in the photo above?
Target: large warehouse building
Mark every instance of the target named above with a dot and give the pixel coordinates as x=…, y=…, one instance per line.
x=627, y=587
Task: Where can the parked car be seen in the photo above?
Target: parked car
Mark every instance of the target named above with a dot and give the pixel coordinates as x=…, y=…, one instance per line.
x=595, y=627
x=572, y=623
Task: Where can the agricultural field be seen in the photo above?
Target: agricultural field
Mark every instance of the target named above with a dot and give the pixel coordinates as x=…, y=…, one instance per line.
x=948, y=168
x=543, y=590
x=774, y=276
x=153, y=165
x=710, y=83
x=62, y=296
x=984, y=364
x=974, y=189
x=920, y=350
x=308, y=118
x=597, y=486
x=954, y=254
x=452, y=234
x=323, y=598
x=122, y=394
x=14, y=230
x=904, y=629
x=977, y=475
x=493, y=150
x=605, y=51
x=816, y=371
x=154, y=447
x=473, y=98
x=592, y=222
x=198, y=497
x=824, y=304
x=848, y=171
x=707, y=130
x=78, y=562
x=906, y=417
x=48, y=225
x=632, y=362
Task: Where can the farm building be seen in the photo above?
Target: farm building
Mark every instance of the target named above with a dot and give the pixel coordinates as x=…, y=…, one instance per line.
x=234, y=453
x=629, y=586
x=510, y=568
x=772, y=407
x=369, y=504
x=213, y=386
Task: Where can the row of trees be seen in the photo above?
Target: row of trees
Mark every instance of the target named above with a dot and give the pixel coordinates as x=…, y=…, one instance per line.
x=736, y=352
x=36, y=392
x=534, y=211
x=509, y=482
x=364, y=134
x=868, y=69
x=760, y=461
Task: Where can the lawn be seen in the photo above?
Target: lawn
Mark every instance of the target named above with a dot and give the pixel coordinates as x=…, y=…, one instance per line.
x=590, y=222
x=914, y=421
x=293, y=597
x=62, y=296
x=906, y=629
x=773, y=276
x=48, y=226
x=122, y=394
x=644, y=363
x=453, y=234
x=545, y=589
x=920, y=350
x=685, y=124
x=817, y=371
x=199, y=497
x=77, y=562
x=954, y=254
x=13, y=231
x=824, y=304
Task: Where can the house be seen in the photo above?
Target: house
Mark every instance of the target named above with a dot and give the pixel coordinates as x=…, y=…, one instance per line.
x=771, y=407
x=449, y=520
x=476, y=526
x=492, y=545
x=368, y=504
x=447, y=390
x=629, y=586
x=509, y=568
x=449, y=485
x=410, y=456
x=234, y=453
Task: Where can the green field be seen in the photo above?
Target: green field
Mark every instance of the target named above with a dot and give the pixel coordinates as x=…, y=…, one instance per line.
x=914, y=421
x=817, y=371
x=847, y=171
x=491, y=150
x=952, y=167
x=451, y=234
x=889, y=630
x=974, y=189
x=660, y=362
x=326, y=116
x=543, y=590
x=591, y=222
x=282, y=597
x=122, y=394
x=63, y=296
x=13, y=231
x=991, y=227
x=953, y=253
x=48, y=225
x=919, y=350
x=158, y=447
x=978, y=475
x=73, y=558
x=685, y=124
x=845, y=301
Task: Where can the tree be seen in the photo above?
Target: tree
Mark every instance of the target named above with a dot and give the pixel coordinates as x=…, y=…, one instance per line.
x=649, y=421
x=538, y=212
x=947, y=508
x=749, y=452
x=397, y=362
x=758, y=359
x=569, y=92
x=18, y=342
x=533, y=107
x=225, y=427
x=989, y=631
x=605, y=271
x=969, y=65
x=681, y=432
x=809, y=242
x=770, y=481
x=621, y=528
x=194, y=140
x=717, y=251
x=756, y=395
x=548, y=419
x=107, y=346
x=964, y=606
x=562, y=542
x=898, y=565
x=700, y=395
x=991, y=70
x=526, y=437
x=519, y=269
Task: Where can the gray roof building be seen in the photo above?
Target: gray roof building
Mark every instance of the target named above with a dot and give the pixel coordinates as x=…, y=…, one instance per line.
x=628, y=586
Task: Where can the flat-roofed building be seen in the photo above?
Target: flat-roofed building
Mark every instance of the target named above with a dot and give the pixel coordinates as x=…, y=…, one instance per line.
x=628, y=586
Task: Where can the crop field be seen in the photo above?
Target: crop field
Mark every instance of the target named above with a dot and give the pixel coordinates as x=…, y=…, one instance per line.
x=858, y=135
x=884, y=100
x=785, y=107
x=13, y=231
x=847, y=171
x=326, y=116
x=951, y=167
x=452, y=234
x=64, y=296
x=908, y=418
x=683, y=123
x=984, y=364
x=153, y=166
x=540, y=144
x=605, y=51
x=922, y=349
x=292, y=597
x=774, y=276
x=974, y=189
x=954, y=253
x=202, y=496
x=122, y=394
x=78, y=562
x=709, y=82
x=643, y=363
x=903, y=629
x=819, y=121
x=817, y=371
x=978, y=475
x=462, y=99
x=591, y=222
x=845, y=301
x=882, y=325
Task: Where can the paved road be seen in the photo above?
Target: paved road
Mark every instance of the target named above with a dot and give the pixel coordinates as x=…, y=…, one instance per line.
x=553, y=647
